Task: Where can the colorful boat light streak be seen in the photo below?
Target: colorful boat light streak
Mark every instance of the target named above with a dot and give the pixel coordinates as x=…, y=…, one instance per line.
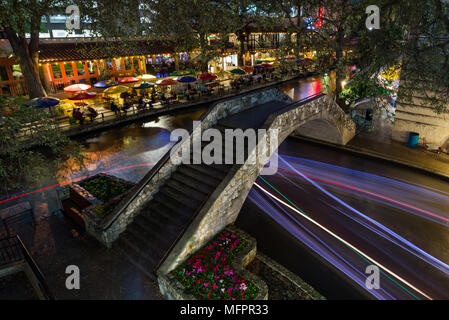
x=294, y=208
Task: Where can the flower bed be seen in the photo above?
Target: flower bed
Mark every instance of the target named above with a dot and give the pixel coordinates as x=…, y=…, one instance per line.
x=104, y=188
x=210, y=274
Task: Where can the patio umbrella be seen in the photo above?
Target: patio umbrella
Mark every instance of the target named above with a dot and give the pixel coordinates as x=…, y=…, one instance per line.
x=116, y=90
x=187, y=79
x=167, y=82
x=144, y=85
x=45, y=102
x=147, y=77
x=83, y=96
x=266, y=65
x=248, y=69
x=207, y=76
x=128, y=80
x=105, y=84
x=74, y=88
x=238, y=71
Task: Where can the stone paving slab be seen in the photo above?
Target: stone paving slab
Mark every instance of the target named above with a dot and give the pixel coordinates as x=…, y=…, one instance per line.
x=56, y=243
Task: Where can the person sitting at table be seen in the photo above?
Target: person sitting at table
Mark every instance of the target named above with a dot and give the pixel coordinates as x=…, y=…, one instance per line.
x=187, y=94
x=79, y=116
x=153, y=97
x=115, y=109
x=125, y=107
x=141, y=104
x=92, y=113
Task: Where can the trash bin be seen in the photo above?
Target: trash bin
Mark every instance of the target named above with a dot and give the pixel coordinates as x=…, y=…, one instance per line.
x=413, y=139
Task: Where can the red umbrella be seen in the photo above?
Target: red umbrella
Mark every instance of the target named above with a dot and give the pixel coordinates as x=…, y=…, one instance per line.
x=167, y=82
x=74, y=88
x=248, y=69
x=80, y=104
x=207, y=76
x=128, y=80
x=266, y=65
x=83, y=96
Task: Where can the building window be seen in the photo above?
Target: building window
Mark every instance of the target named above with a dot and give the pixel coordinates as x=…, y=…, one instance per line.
x=127, y=64
x=109, y=65
x=92, y=67
x=56, y=71
x=118, y=64
x=136, y=64
x=68, y=70
x=80, y=68
x=3, y=74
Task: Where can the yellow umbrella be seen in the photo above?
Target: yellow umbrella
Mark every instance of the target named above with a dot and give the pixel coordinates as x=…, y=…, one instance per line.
x=147, y=77
x=116, y=90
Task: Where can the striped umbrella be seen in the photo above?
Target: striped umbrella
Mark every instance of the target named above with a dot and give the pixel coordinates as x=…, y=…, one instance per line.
x=74, y=88
x=128, y=80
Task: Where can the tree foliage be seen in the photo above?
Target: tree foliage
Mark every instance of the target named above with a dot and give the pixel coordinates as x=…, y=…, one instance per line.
x=39, y=156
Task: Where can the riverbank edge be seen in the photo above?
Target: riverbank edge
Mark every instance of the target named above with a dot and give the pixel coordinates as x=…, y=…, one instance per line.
x=377, y=155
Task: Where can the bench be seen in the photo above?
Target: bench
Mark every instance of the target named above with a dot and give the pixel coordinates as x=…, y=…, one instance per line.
x=14, y=211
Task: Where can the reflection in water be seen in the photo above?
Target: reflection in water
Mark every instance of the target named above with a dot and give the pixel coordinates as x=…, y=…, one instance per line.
x=143, y=142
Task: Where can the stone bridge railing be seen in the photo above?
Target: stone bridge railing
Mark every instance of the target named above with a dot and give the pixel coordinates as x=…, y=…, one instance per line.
x=116, y=222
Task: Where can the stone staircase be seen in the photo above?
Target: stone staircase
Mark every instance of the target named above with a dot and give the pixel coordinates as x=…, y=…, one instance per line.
x=157, y=227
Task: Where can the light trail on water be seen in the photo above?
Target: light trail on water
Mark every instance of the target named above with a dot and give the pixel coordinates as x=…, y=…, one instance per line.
x=314, y=176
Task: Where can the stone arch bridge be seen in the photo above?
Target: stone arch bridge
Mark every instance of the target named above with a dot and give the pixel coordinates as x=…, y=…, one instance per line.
x=175, y=209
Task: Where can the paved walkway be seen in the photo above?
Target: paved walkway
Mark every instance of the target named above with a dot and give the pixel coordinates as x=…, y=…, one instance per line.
x=55, y=243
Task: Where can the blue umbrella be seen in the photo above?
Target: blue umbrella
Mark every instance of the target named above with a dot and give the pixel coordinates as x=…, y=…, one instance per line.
x=105, y=84
x=187, y=79
x=45, y=102
x=258, y=67
x=298, y=60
